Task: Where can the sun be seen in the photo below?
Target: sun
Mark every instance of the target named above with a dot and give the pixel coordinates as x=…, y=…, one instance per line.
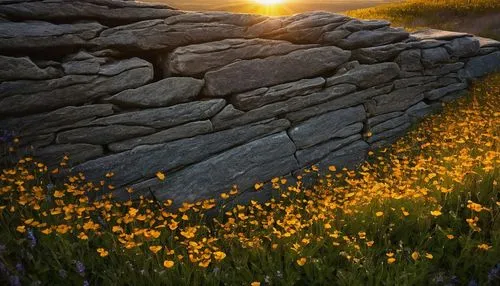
x=269, y=2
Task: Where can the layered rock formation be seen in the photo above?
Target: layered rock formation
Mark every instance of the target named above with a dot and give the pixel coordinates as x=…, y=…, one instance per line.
x=216, y=99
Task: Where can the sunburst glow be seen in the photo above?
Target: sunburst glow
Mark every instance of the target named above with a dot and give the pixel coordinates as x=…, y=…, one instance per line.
x=269, y=2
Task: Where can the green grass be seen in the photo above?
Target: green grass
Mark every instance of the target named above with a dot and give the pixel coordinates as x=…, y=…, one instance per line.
x=480, y=17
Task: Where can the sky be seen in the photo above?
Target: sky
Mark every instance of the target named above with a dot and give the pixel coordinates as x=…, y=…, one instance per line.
x=288, y=7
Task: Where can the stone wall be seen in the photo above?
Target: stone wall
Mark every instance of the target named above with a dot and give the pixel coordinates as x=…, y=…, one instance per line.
x=216, y=99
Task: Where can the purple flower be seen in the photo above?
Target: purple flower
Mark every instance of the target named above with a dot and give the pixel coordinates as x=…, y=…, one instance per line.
x=20, y=267
x=14, y=281
x=494, y=273
x=80, y=268
x=86, y=283
x=31, y=238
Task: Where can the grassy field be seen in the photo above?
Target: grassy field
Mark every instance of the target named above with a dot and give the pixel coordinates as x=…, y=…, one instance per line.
x=481, y=17
x=425, y=211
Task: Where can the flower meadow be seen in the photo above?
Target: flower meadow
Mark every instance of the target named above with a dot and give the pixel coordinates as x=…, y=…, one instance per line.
x=424, y=211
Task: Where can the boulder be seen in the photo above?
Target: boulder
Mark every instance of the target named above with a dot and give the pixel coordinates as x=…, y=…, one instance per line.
x=101, y=135
x=435, y=56
x=366, y=76
x=166, y=92
x=463, y=47
x=482, y=65
x=144, y=161
x=179, y=132
x=410, y=60
x=166, y=116
x=264, y=159
x=322, y=128
x=198, y=59
x=256, y=73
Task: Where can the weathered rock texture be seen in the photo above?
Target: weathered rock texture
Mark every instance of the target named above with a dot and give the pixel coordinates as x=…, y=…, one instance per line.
x=216, y=99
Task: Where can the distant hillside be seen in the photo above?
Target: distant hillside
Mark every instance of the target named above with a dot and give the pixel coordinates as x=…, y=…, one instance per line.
x=481, y=17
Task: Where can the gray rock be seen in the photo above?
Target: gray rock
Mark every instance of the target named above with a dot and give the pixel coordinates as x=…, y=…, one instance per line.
x=426, y=44
x=23, y=68
x=366, y=76
x=487, y=50
x=463, y=47
x=260, y=97
x=166, y=116
x=397, y=100
x=56, y=120
x=390, y=124
x=72, y=89
x=372, y=121
x=454, y=96
x=144, y=161
x=338, y=103
x=333, y=37
x=157, y=34
x=487, y=43
x=233, y=117
x=437, y=35
x=102, y=135
x=441, y=92
x=243, y=20
x=410, y=60
x=36, y=141
x=85, y=67
x=198, y=59
x=389, y=134
x=165, y=92
x=52, y=155
x=483, y=65
x=435, y=56
x=37, y=35
x=355, y=25
x=413, y=81
x=322, y=128
x=371, y=38
x=314, y=154
x=419, y=111
x=349, y=156
x=253, y=74
x=264, y=159
x=107, y=11
x=372, y=55
x=444, y=69
x=183, y=131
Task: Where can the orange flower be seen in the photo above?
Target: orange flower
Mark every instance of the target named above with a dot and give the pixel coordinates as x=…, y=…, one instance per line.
x=168, y=263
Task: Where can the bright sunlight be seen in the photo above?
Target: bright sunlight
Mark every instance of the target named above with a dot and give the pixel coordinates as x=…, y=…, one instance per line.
x=269, y=2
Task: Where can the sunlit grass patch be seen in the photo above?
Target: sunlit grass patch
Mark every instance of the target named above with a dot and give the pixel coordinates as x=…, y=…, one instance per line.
x=423, y=212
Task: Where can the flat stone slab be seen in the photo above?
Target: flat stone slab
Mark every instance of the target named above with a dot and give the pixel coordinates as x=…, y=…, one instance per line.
x=437, y=35
x=102, y=135
x=265, y=159
x=198, y=59
x=162, y=93
x=321, y=128
x=166, y=116
x=104, y=10
x=366, y=76
x=253, y=74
